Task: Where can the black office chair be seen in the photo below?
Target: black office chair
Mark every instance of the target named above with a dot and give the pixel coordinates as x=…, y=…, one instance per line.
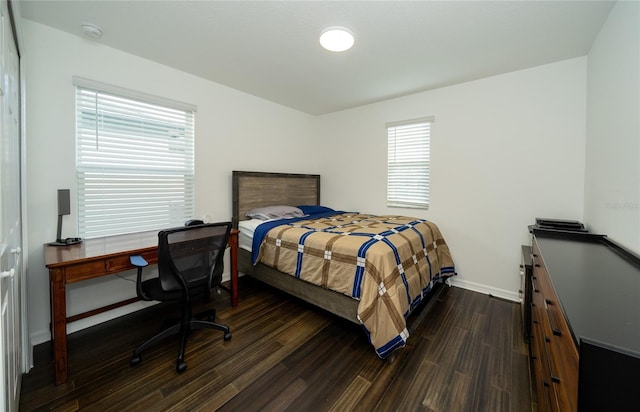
x=190, y=263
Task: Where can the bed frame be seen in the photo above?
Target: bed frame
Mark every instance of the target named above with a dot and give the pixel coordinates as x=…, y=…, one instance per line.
x=259, y=189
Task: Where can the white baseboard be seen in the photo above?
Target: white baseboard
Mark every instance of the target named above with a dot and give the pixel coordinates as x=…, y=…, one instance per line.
x=45, y=336
x=42, y=336
x=487, y=290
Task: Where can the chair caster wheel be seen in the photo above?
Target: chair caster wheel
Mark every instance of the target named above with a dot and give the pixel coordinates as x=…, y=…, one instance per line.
x=181, y=366
x=135, y=359
x=227, y=336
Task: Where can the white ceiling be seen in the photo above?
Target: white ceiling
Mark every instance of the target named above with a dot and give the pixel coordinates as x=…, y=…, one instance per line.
x=270, y=49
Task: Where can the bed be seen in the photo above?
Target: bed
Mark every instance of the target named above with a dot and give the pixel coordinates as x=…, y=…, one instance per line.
x=388, y=280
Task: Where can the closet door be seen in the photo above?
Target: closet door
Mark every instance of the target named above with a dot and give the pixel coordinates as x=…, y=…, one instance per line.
x=11, y=267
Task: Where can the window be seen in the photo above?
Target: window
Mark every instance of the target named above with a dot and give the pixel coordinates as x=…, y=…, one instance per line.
x=408, y=163
x=135, y=160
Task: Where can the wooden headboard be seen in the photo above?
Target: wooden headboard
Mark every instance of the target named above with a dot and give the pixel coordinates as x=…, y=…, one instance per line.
x=259, y=189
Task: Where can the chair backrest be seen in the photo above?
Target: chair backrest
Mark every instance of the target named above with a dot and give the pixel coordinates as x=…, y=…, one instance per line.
x=192, y=254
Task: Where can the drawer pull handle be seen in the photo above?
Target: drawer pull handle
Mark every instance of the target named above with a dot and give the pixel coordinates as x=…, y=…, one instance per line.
x=554, y=377
x=556, y=331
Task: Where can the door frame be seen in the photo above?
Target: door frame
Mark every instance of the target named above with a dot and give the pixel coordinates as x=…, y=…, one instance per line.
x=27, y=348
x=15, y=16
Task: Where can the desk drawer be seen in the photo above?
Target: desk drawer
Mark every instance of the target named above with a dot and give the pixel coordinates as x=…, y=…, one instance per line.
x=122, y=263
x=82, y=271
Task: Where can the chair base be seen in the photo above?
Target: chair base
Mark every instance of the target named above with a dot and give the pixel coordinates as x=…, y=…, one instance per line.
x=183, y=330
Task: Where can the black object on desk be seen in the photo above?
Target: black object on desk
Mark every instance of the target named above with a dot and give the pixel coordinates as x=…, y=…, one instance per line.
x=64, y=208
x=66, y=242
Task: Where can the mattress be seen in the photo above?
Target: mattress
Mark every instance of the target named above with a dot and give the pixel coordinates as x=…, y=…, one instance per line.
x=387, y=263
x=247, y=229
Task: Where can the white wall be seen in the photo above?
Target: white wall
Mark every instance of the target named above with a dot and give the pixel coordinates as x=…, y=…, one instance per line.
x=227, y=123
x=612, y=180
x=505, y=150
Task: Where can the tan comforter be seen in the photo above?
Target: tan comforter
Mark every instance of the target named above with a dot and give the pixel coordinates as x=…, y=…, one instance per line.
x=388, y=263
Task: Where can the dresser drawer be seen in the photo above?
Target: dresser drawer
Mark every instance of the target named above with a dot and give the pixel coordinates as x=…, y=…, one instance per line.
x=564, y=370
x=551, y=304
x=540, y=352
x=538, y=359
x=545, y=401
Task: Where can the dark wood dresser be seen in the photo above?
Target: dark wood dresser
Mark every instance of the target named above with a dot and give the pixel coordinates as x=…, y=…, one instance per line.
x=585, y=323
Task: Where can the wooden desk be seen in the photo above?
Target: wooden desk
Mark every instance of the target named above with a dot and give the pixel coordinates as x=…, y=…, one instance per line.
x=100, y=257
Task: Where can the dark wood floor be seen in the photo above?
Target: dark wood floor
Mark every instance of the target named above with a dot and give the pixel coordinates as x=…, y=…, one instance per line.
x=465, y=353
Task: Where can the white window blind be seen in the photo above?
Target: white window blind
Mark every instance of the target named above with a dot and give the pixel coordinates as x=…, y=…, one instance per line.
x=408, y=163
x=135, y=161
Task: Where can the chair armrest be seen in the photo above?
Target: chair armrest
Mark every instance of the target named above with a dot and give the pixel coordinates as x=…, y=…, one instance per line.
x=138, y=261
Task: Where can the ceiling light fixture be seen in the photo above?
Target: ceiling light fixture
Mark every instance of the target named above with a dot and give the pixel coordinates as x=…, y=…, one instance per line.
x=336, y=39
x=91, y=30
